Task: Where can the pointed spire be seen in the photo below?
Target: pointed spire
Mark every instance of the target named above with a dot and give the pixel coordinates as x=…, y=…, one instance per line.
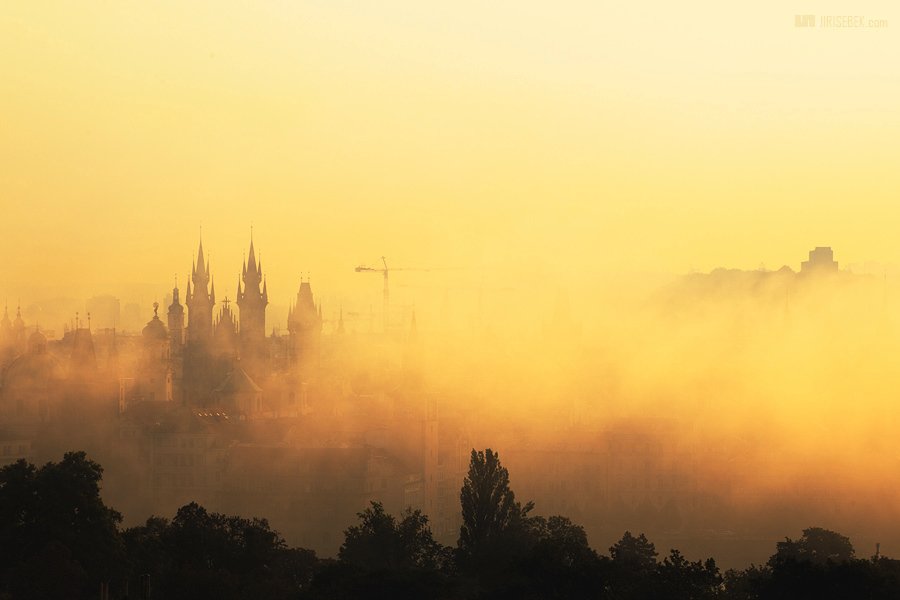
x=212, y=291
x=251, y=259
x=201, y=269
x=239, y=295
x=265, y=293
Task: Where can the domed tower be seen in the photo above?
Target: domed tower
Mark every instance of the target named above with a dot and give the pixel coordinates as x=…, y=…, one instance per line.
x=252, y=302
x=200, y=301
x=154, y=381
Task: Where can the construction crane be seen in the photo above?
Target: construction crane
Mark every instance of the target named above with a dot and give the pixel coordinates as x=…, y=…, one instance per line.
x=386, y=294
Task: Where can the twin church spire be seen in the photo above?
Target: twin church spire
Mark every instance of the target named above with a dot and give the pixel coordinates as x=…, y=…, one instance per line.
x=252, y=298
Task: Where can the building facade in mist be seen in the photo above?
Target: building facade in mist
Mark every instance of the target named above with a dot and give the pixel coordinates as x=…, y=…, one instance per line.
x=104, y=310
x=201, y=405
x=215, y=342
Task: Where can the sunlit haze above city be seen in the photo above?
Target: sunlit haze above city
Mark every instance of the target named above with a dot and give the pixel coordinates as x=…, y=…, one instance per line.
x=316, y=262
x=571, y=141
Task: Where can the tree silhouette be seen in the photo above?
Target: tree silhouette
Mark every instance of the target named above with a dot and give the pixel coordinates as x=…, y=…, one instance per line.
x=817, y=545
x=489, y=507
x=633, y=567
x=385, y=557
x=638, y=554
x=560, y=564
x=382, y=542
x=682, y=579
x=55, y=514
x=200, y=554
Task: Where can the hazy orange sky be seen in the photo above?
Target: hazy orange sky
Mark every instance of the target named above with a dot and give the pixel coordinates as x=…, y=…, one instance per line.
x=547, y=151
x=578, y=138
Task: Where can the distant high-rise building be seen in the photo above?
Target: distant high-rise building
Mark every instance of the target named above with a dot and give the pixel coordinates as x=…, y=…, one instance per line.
x=821, y=260
x=104, y=311
x=132, y=317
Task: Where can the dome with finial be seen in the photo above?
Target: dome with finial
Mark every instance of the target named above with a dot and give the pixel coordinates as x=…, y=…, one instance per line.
x=155, y=330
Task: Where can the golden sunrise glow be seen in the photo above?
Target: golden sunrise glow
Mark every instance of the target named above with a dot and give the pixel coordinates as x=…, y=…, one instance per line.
x=535, y=166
